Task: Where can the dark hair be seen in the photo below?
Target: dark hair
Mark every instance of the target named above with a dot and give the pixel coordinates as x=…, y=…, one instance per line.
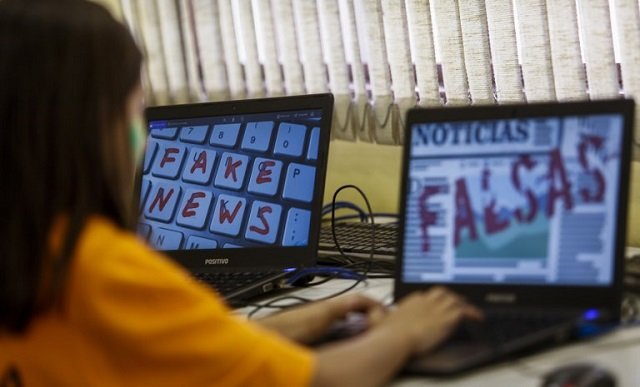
x=67, y=68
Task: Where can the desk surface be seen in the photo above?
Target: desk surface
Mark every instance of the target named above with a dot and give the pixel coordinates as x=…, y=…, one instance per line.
x=618, y=352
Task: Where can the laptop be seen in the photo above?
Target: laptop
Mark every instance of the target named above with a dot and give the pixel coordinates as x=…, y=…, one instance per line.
x=521, y=209
x=233, y=190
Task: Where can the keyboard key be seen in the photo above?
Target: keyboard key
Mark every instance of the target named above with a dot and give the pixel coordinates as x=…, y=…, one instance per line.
x=296, y=230
x=168, y=161
x=231, y=170
x=228, y=215
x=164, y=239
x=195, y=243
x=231, y=246
x=194, y=134
x=165, y=133
x=314, y=142
x=264, y=222
x=225, y=135
x=149, y=153
x=257, y=136
x=299, y=182
x=290, y=140
x=194, y=208
x=144, y=231
x=265, y=176
x=162, y=203
x=199, y=167
x=144, y=192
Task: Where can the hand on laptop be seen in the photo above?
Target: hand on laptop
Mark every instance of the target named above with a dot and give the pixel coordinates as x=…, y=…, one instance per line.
x=417, y=323
x=429, y=317
x=308, y=323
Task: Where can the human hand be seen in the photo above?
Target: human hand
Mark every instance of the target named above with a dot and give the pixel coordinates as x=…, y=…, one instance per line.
x=425, y=319
x=308, y=323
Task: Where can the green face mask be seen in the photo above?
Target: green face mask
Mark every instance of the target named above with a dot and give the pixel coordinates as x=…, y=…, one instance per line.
x=137, y=137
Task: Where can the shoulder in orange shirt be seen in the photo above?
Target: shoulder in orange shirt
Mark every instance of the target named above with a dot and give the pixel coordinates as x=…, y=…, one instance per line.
x=132, y=317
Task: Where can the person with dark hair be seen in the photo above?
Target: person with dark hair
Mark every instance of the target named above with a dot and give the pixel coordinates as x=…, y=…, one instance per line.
x=82, y=300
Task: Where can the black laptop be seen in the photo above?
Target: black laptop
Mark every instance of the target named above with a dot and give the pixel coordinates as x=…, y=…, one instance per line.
x=233, y=190
x=522, y=210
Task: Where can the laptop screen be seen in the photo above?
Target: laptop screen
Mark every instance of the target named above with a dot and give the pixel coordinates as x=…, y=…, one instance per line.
x=243, y=180
x=521, y=201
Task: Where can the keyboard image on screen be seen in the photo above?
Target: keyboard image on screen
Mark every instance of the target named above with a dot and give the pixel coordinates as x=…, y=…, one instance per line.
x=233, y=181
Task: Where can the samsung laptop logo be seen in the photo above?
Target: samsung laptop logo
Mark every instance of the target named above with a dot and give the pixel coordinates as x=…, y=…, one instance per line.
x=500, y=298
x=216, y=261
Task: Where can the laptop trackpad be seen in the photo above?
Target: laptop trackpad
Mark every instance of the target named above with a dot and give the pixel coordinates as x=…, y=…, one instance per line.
x=452, y=356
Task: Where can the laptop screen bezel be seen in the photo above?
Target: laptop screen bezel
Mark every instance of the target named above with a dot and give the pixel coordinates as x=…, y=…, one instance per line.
x=602, y=297
x=254, y=258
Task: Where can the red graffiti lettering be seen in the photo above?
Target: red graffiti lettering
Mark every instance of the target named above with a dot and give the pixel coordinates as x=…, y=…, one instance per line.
x=160, y=199
x=231, y=168
x=225, y=215
x=428, y=218
x=563, y=191
x=596, y=143
x=200, y=163
x=464, y=214
x=191, y=205
x=167, y=158
x=264, y=176
x=265, y=225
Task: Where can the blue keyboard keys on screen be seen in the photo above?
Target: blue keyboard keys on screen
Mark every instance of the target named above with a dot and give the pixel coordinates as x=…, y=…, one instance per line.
x=168, y=161
x=299, y=182
x=196, y=242
x=263, y=222
x=257, y=136
x=228, y=215
x=231, y=170
x=194, y=134
x=225, y=184
x=194, y=208
x=290, y=140
x=144, y=191
x=265, y=176
x=166, y=239
x=314, y=142
x=225, y=135
x=165, y=133
x=162, y=202
x=199, y=166
x=296, y=229
x=149, y=154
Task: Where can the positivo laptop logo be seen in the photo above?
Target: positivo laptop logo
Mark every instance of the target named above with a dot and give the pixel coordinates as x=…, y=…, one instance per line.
x=216, y=261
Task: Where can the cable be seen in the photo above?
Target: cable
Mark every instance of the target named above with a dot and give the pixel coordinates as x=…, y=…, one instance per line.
x=358, y=279
x=319, y=270
x=326, y=209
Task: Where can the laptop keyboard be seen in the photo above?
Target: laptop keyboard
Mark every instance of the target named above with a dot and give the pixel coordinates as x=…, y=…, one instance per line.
x=355, y=238
x=229, y=185
x=228, y=283
x=500, y=327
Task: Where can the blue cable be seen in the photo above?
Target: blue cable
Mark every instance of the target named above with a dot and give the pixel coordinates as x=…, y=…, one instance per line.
x=338, y=272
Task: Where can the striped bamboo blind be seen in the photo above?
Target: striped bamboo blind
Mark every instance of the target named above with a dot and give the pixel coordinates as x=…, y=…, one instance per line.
x=382, y=57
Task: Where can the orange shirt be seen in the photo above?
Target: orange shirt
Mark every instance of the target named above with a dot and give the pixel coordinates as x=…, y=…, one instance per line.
x=132, y=317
